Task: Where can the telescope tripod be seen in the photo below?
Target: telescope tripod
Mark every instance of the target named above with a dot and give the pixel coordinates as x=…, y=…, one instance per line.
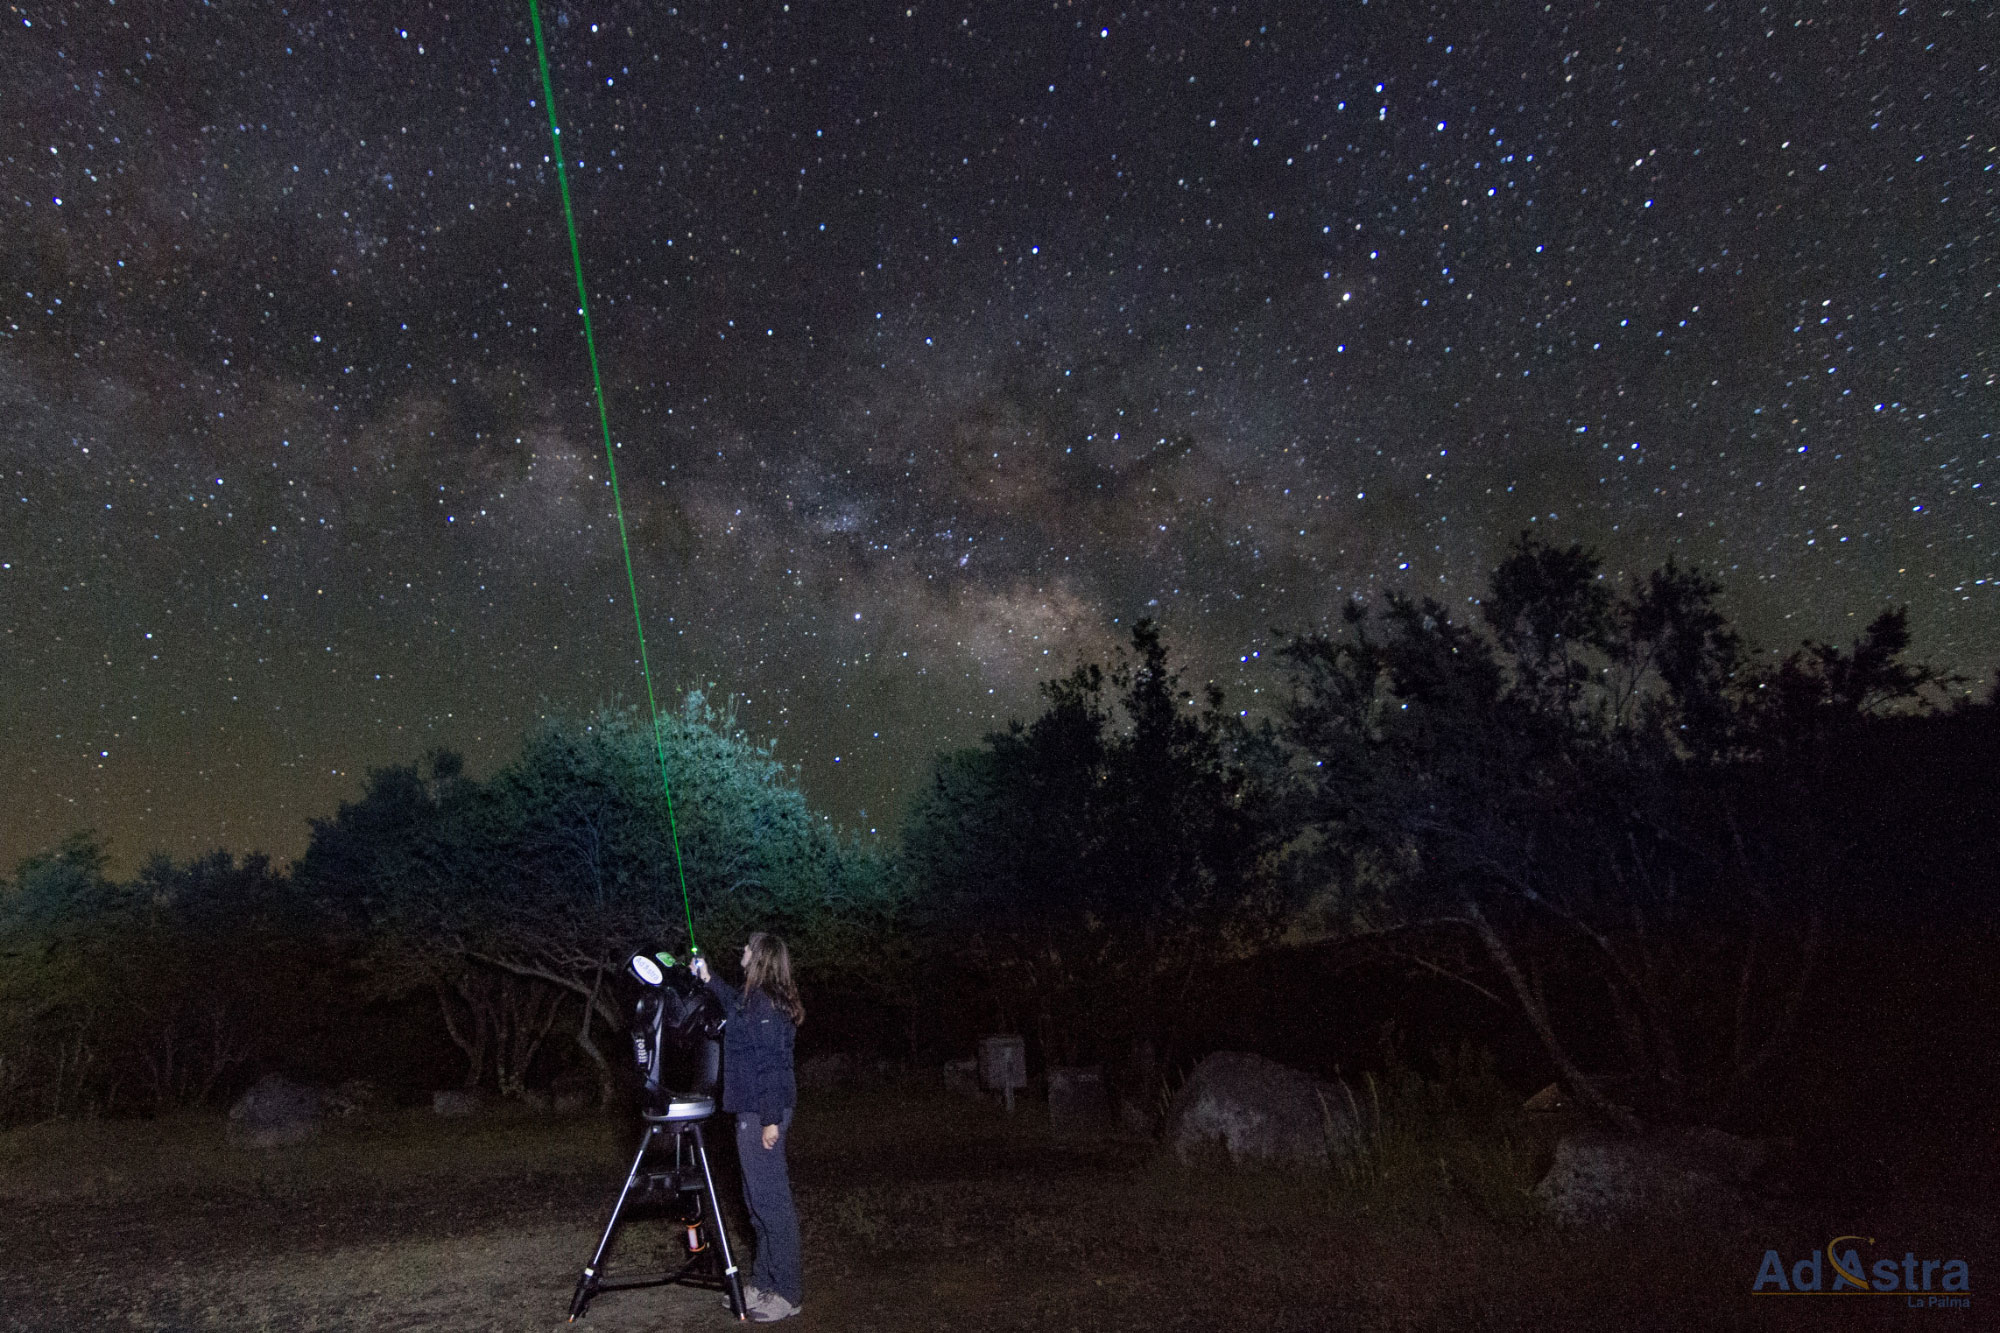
x=677, y=1174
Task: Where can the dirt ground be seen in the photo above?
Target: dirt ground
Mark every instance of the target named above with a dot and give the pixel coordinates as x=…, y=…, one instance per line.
x=921, y=1212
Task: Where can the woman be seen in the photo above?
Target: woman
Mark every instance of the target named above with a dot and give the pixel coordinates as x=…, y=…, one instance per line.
x=758, y=1085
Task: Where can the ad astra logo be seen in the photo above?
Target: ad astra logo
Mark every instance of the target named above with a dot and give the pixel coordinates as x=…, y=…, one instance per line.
x=1840, y=1269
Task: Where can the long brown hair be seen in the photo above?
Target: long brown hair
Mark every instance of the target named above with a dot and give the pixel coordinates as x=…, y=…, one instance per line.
x=770, y=971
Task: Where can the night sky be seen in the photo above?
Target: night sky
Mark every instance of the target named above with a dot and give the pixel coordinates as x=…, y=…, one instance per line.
x=939, y=342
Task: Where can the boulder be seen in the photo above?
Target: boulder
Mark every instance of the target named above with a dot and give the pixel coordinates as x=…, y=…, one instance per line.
x=1259, y=1111
x=1077, y=1098
x=1603, y=1179
x=457, y=1102
x=273, y=1113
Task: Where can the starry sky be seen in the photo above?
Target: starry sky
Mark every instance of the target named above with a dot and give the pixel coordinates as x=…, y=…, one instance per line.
x=940, y=341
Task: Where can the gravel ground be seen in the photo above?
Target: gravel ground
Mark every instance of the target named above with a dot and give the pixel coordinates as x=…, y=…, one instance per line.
x=919, y=1215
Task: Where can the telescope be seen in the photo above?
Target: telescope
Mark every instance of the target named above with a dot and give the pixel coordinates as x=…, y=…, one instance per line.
x=677, y=1028
x=676, y=1032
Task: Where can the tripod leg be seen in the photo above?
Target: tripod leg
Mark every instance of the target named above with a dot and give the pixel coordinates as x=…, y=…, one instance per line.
x=586, y=1286
x=736, y=1306
x=690, y=1211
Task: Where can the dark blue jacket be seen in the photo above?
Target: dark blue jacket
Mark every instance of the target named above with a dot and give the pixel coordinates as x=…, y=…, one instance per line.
x=756, y=1054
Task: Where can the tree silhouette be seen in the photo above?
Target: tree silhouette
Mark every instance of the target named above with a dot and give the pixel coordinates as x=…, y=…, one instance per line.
x=1086, y=864
x=1591, y=794
x=149, y=993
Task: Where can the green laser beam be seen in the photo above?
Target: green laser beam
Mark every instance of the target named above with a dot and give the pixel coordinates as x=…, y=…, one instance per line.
x=610, y=456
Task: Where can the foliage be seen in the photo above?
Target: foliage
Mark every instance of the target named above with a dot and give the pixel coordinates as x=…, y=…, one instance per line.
x=1590, y=804
x=1084, y=864
x=1820, y=690
x=1586, y=794
x=550, y=875
x=1421, y=1141
x=143, y=995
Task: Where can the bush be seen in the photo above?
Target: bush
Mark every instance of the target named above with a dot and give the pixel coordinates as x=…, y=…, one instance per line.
x=1424, y=1142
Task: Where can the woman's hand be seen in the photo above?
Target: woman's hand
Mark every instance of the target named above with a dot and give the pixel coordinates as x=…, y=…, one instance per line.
x=699, y=966
x=770, y=1137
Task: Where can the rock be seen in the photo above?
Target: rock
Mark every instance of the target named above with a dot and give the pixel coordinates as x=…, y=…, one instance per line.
x=1077, y=1098
x=457, y=1102
x=962, y=1077
x=1604, y=1179
x=829, y=1070
x=1260, y=1111
x=274, y=1113
x=355, y=1097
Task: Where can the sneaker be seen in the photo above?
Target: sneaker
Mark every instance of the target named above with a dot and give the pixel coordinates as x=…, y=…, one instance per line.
x=770, y=1307
x=751, y=1295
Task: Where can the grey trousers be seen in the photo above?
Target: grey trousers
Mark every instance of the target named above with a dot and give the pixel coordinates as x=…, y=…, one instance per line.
x=767, y=1189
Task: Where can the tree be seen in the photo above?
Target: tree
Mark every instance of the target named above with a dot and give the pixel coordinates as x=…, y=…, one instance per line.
x=57, y=921
x=1548, y=609
x=563, y=865
x=151, y=992
x=1819, y=689
x=1677, y=659
x=1085, y=864
x=1583, y=794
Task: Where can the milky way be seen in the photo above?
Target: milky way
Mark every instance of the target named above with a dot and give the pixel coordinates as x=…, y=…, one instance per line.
x=940, y=342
